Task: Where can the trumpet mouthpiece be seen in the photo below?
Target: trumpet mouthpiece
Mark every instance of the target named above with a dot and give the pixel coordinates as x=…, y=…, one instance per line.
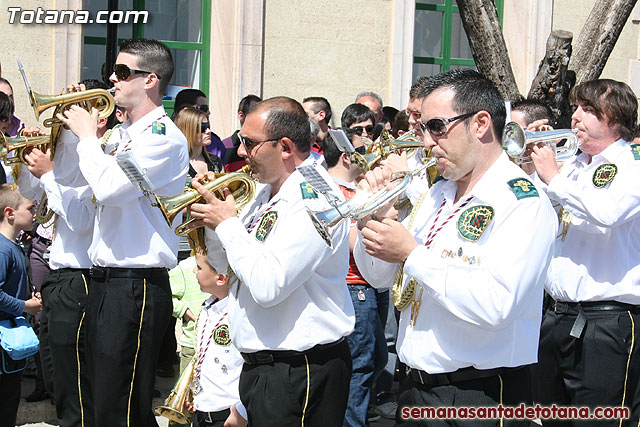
x=111, y=90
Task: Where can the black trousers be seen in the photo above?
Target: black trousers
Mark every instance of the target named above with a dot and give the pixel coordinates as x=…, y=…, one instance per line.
x=601, y=368
x=310, y=390
x=509, y=389
x=62, y=345
x=10, y=398
x=126, y=319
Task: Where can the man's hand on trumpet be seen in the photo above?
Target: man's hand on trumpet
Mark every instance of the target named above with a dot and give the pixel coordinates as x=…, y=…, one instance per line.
x=544, y=160
x=39, y=162
x=82, y=123
x=213, y=211
x=536, y=126
x=384, y=237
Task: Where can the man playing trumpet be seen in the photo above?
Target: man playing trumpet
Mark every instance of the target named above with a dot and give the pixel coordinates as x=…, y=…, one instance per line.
x=590, y=337
x=289, y=308
x=469, y=260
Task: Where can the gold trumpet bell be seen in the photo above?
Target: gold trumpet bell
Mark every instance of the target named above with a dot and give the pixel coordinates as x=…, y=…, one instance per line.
x=241, y=185
x=97, y=98
x=173, y=407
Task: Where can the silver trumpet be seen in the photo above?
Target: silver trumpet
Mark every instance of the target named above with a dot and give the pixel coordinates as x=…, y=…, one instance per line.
x=515, y=141
x=363, y=204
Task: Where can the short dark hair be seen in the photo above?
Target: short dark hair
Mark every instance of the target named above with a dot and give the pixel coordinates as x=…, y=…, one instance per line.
x=153, y=56
x=286, y=117
x=533, y=109
x=9, y=197
x=400, y=122
x=188, y=97
x=94, y=84
x=356, y=113
x=6, y=107
x=330, y=151
x=472, y=92
x=389, y=113
x=613, y=100
x=320, y=104
x=97, y=84
x=247, y=102
x=416, y=88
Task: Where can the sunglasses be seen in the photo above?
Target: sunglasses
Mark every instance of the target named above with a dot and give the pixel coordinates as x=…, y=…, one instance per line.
x=416, y=114
x=203, y=107
x=123, y=72
x=249, y=144
x=360, y=129
x=438, y=127
x=204, y=126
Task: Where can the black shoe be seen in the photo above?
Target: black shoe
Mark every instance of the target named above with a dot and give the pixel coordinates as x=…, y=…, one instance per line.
x=37, y=396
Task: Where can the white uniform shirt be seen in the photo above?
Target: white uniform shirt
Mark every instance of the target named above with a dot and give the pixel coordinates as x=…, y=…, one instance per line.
x=293, y=293
x=222, y=363
x=482, y=300
x=72, y=205
x=129, y=231
x=599, y=259
x=74, y=223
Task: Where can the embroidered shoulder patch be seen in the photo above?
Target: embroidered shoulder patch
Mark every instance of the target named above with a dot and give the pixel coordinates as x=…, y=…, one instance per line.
x=158, y=128
x=473, y=221
x=635, y=148
x=221, y=335
x=604, y=174
x=523, y=188
x=267, y=223
x=307, y=191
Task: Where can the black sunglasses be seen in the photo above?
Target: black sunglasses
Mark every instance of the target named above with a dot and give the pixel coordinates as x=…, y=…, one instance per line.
x=123, y=72
x=438, y=127
x=359, y=129
x=204, y=126
x=203, y=107
x=249, y=144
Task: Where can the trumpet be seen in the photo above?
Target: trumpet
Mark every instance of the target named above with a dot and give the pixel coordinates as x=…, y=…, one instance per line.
x=363, y=204
x=240, y=183
x=93, y=98
x=20, y=144
x=173, y=407
x=515, y=140
x=388, y=145
x=98, y=98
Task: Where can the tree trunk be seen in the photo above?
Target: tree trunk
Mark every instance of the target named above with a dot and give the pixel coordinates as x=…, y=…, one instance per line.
x=598, y=37
x=480, y=21
x=553, y=80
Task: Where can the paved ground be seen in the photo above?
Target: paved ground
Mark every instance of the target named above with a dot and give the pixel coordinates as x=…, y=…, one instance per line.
x=43, y=414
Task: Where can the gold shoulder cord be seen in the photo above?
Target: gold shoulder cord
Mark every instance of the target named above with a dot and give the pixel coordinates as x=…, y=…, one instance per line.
x=564, y=219
x=402, y=299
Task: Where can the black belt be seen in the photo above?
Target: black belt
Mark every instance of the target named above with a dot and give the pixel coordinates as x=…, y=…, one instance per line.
x=579, y=308
x=269, y=356
x=105, y=273
x=62, y=272
x=212, y=417
x=464, y=374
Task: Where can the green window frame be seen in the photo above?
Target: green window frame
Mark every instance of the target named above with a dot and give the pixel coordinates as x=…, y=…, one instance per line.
x=204, y=47
x=448, y=9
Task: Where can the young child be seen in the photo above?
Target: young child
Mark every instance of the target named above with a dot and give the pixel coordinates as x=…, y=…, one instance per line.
x=16, y=214
x=218, y=364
